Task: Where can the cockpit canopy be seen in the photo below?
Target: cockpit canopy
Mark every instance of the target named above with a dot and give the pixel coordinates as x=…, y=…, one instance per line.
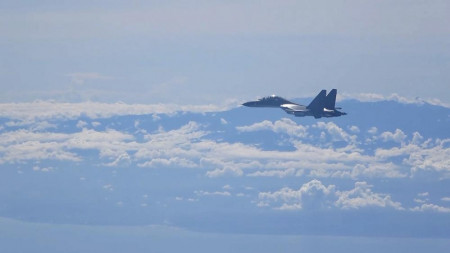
x=274, y=99
x=270, y=101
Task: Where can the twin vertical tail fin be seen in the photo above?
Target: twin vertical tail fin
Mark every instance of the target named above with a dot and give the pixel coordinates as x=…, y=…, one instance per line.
x=330, y=100
x=318, y=101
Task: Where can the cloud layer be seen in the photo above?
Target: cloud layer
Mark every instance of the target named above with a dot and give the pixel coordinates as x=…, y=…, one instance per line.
x=280, y=150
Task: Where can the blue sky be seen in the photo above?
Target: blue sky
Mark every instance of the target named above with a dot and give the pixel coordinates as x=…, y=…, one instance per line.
x=120, y=121
x=214, y=51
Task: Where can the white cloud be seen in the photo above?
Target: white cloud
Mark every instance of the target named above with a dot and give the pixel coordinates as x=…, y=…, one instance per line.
x=310, y=195
x=46, y=169
x=399, y=136
x=423, y=194
x=227, y=187
x=422, y=198
x=362, y=196
x=285, y=125
x=229, y=170
x=315, y=195
x=81, y=124
x=431, y=208
x=32, y=125
x=95, y=124
x=216, y=193
x=435, y=158
x=189, y=147
x=41, y=110
x=373, y=97
x=123, y=159
x=155, y=117
x=336, y=133
x=354, y=129
x=417, y=138
x=183, y=147
x=42, y=125
x=174, y=161
x=420, y=157
x=22, y=145
x=388, y=169
x=273, y=173
x=223, y=121
x=108, y=187
x=372, y=130
x=447, y=199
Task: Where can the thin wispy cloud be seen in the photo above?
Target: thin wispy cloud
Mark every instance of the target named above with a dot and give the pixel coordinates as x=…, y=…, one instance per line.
x=82, y=77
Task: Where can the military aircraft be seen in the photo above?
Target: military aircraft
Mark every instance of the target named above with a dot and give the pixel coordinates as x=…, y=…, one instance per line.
x=322, y=105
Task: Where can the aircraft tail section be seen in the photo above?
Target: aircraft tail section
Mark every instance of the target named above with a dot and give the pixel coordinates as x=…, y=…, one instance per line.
x=330, y=100
x=318, y=101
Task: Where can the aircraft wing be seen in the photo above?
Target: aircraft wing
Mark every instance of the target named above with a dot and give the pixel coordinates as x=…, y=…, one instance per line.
x=295, y=109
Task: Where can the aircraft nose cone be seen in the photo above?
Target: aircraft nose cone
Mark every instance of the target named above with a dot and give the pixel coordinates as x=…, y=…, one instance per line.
x=248, y=104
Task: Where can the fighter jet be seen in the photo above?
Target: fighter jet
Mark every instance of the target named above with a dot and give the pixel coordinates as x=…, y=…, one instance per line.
x=322, y=105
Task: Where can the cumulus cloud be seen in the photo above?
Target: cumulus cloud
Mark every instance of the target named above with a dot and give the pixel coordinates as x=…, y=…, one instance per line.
x=431, y=208
x=225, y=171
x=434, y=158
x=170, y=162
x=310, y=195
x=285, y=125
x=354, y=129
x=387, y=169
x=315, y=195
x=398, y=136
x=45, y=169
x=372, y=130
x=423, y=194
x=336, y=132
x=362, y=196
x=227, y=187
x=123, y=159
x=417, y=138
x=26, y=145
x=420, y=157
x=81, y=124
x=274, y=173
x=22, y=145
x=190, y=146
